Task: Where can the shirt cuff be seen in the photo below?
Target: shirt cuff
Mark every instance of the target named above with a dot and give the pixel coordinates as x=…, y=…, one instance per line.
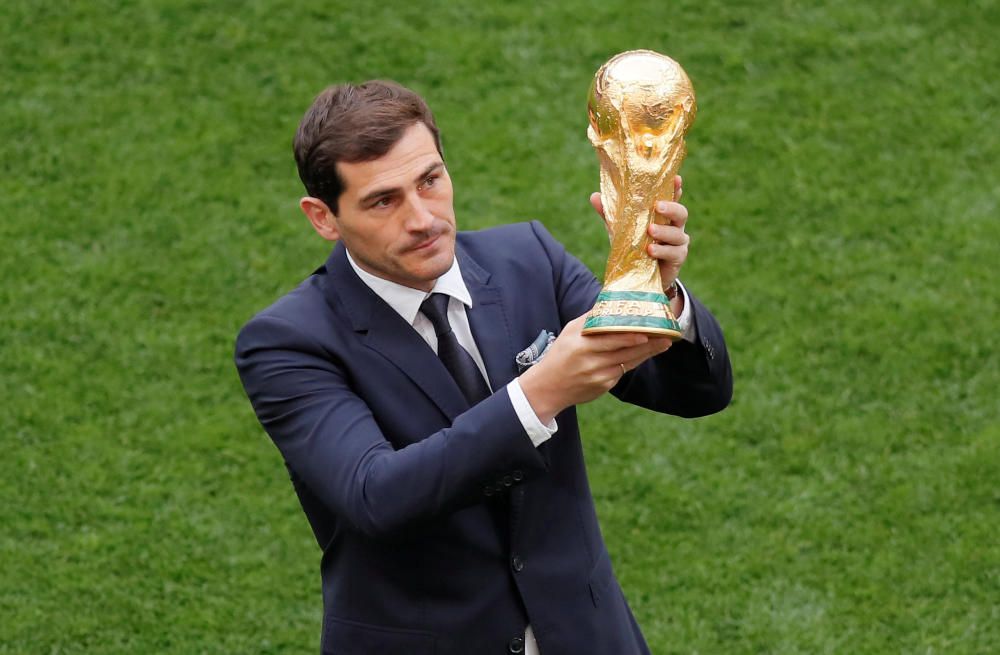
x=688, y=330
x=537, y=431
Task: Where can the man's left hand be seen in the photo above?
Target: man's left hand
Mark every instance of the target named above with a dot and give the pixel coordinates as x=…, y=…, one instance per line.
x=670, y=241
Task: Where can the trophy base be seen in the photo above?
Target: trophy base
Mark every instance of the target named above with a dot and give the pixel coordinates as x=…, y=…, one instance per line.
x=632, y=311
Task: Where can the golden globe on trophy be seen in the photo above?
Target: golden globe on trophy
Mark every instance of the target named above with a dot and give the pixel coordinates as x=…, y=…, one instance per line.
x=641, y=106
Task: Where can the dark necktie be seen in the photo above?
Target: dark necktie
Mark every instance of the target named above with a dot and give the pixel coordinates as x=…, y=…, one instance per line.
x=456, y=359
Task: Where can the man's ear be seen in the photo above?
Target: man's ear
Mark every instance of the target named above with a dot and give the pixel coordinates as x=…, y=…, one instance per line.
x=323, y=220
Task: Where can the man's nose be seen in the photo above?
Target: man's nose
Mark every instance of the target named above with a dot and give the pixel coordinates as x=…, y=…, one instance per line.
x=418, y=216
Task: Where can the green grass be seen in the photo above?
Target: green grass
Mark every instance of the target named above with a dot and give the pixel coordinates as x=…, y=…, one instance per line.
x=844, y=208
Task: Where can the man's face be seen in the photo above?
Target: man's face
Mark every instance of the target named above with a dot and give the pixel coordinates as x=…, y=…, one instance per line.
x=395, y=215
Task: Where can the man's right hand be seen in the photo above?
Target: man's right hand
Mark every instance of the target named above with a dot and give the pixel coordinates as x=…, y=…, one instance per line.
x=577, y=368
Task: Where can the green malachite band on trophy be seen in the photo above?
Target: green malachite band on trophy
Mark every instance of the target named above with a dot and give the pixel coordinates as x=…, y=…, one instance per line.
x=643, y=296
x=631, y=321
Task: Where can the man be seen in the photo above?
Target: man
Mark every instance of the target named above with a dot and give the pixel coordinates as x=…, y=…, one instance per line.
x=448, y=492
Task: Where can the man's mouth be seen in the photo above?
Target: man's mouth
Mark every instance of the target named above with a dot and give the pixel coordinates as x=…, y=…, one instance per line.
x=424, y=245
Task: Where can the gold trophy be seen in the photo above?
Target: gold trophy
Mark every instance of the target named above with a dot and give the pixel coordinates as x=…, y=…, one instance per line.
x=641, y=106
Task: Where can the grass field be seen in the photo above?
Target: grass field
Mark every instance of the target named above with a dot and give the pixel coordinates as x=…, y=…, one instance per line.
x=844, y=198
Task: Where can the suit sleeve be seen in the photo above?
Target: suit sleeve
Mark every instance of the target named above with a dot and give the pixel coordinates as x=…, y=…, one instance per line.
x=689, y=380
x=328, y=436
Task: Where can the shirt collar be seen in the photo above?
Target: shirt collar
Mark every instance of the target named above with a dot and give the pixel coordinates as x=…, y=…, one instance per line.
x=406, y=300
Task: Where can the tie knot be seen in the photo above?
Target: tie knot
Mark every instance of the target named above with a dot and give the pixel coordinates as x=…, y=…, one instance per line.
x=435, y=308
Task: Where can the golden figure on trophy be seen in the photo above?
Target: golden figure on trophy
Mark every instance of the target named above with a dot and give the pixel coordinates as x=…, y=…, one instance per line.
x=641, y=106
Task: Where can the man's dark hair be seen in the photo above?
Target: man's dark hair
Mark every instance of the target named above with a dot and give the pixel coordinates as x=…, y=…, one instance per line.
x=354, y=123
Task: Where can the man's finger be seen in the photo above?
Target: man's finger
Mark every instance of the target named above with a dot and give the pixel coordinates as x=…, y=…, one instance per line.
x=632, y=357
x=637, y=361
x=675, y=213
x=597, y=203
x=669, y=235
x=675, y=254
x=637, y=352
x=605, y=342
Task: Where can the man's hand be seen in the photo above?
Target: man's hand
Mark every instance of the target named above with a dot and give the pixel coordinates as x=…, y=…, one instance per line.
x=578, y=368
x=670, y=241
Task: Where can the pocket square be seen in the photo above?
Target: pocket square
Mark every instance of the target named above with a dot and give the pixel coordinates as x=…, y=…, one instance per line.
x=534, y=353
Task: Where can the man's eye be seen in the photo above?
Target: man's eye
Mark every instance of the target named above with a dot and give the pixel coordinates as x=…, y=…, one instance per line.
x=381, y=203
x=430, y=181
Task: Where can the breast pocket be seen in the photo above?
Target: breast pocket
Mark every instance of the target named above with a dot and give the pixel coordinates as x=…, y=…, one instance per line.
x=341, y=637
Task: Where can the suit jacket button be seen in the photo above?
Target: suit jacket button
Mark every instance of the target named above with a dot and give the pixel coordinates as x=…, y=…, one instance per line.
x=517, y=564
x=488, y=490
x=516, y=645
x=508, y=480
x=517, y=474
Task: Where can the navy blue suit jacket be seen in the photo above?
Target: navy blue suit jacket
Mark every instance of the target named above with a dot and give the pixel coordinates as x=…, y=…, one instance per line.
x=443, y=529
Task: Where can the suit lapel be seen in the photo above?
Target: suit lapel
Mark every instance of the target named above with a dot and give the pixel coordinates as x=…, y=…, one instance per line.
x=488, y=322
x=392, y=337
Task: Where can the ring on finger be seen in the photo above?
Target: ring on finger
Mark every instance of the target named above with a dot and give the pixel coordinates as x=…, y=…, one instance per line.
x=623, y=368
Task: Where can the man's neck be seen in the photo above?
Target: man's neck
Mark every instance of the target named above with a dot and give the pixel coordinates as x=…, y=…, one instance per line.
x=406, y=300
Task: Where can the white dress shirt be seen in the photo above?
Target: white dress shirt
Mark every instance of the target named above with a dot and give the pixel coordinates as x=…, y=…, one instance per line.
x=406, y=302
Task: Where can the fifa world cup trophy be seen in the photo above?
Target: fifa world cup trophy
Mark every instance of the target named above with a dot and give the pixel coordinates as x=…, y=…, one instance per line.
x=641, y=107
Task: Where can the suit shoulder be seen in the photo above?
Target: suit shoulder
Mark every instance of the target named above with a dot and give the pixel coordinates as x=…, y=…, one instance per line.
x=290, y=317
x=293, y=302
x=505, y=241
x=520, y=229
